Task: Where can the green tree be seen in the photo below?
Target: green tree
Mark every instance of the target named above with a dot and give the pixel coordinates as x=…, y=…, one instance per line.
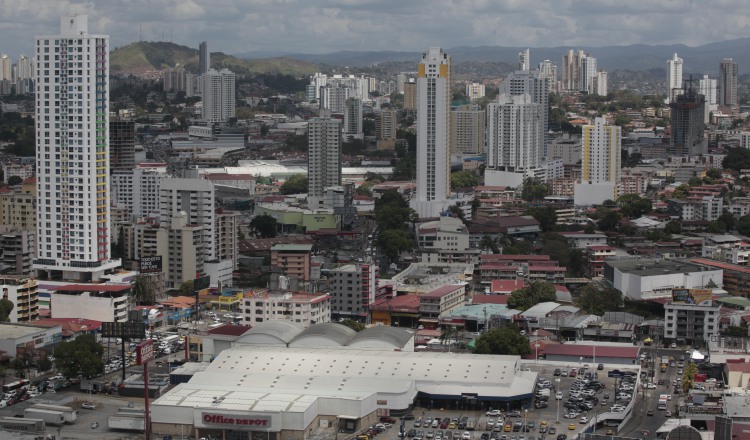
x=6, y=306
x=354, y=325
x=264, y=226
x=673, y=227
x=449, y=335
x=503, y=340
x=743, y=225
x=633, y=206
x=595, y=301
x=144, y=291
x=713, y=173
x=457, y=212
x=681, y=192
x=728, y=220
x=546, y=216
x=737, y=158
x=296, y=184
x=490, y=244
x=609, y=221
x=393, y=242
x=45, y=364
x=186, y=288
x=688, y=377
x=81, y=356
x=464, y=179
x=14, y=180
x=533, y=191
x=537, y=292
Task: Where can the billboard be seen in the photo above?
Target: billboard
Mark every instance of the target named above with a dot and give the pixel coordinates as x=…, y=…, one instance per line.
x=144, y=351
x=150, y=264
x=691, y=296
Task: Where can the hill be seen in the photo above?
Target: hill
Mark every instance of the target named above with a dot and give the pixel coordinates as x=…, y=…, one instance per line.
x=144, y=56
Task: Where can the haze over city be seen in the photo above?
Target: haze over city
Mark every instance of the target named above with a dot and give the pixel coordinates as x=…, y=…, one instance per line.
x=319, y=26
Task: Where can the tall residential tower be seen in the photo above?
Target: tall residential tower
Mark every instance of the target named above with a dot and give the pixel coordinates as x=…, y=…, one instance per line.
x=600, y=164
x=72, y=153
x=727, y=87
x=674, y=78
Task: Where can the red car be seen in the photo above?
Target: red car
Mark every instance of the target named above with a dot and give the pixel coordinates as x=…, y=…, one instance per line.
x=386, y=419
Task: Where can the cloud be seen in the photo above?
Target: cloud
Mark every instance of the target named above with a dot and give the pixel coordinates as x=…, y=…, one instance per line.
x=318, y=26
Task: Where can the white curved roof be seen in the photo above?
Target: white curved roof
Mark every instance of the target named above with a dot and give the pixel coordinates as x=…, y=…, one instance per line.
x=273, y=332
x=327, y=334
x=396, y=337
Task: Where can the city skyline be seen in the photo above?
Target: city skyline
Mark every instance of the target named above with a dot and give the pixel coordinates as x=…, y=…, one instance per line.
x=237, y=27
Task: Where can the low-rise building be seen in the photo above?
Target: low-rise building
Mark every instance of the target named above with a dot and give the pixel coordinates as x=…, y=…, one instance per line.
x=19, y=339
x=645, y=278
x=106, y=302
x=707, y=208
x=17, y=249
x=580, y=240
x=446, y=233
x=433, y=305
x=691, y=317
x=726, y=248
x=509, y=267
x=736, y=278
x=300, y=307
x=594, y=257
x=293, y=259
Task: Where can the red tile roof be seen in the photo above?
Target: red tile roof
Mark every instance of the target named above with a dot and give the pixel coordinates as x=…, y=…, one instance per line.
x=404, y=303
x=506, y=286
x=588, y=351
x=720, y=265
x=71, y=325
x=443, y=291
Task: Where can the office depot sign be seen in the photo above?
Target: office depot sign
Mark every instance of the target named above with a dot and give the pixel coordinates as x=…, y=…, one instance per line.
x=237, y=421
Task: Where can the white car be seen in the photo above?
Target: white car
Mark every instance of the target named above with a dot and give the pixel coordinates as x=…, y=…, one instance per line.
x=493, y=413
x=466, y=435
x=584, y=420
x=490, y=423
x=617, y=408
x=558, y=396
x=87, y=405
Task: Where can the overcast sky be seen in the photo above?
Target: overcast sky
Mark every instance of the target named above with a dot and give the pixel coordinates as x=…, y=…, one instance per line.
x=319, y=26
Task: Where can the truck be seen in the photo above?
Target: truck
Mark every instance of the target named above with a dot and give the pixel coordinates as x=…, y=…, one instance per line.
x=69, y=413
x=664, y=363
x=662, y=404
x=50, y=417
x=127, y=422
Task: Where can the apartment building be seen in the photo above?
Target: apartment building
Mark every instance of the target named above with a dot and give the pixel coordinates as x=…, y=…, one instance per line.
x=300, y=307
x=436, y=303
x=352, y=288
x=22, y=292
x=292, y=259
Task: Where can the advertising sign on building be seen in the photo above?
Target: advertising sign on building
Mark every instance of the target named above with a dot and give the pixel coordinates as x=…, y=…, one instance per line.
x=234, y=421
x=150, y=264
x=144, y=351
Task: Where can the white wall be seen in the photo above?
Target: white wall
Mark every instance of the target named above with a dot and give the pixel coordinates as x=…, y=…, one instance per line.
x=585, y=194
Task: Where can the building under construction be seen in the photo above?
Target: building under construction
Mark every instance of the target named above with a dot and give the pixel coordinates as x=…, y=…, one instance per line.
x=688, y=123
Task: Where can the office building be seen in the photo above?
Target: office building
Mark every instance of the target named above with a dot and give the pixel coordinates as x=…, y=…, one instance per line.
x=727, y=86
x=688, y=126
x=410, y=95
x=467, y=130
x=72, y=158
x=196, y=198
x=121, y=144
x=22, y=292
x=587, y=74
x=323, y=157
x=204, y=58
x=571, y=70
x=708, y=88
x=386, y=126
x=548, y=71
x=674, y=78
x=218, y=95
x=600, y=164
x=515, y=139
x=434, y=81
x=353, y=119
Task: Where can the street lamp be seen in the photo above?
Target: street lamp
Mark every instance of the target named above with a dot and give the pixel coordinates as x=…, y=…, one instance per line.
x=557, y=387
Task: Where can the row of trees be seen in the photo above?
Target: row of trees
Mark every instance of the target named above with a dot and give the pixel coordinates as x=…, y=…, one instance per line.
x=392, y=216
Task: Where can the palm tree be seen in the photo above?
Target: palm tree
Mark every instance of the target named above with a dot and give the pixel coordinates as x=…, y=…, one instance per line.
x=448, y=334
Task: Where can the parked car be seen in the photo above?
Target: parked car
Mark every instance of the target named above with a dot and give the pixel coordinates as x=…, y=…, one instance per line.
x=87, y=405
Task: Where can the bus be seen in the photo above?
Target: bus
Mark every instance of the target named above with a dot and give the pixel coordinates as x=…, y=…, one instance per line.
x=14, y=387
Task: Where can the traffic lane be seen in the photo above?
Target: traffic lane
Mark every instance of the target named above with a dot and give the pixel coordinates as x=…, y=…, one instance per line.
x=648, y=400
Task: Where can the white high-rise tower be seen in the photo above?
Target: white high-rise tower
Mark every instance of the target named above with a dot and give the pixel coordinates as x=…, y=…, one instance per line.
x=433, y=132
x=600, y=164
x=524, y=60
x=72, y=153
x=674, y=77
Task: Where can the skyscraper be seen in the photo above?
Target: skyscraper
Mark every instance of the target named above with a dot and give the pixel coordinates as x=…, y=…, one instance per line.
x=219, y=102
x=586, y=75
x=707, y=88
x=323, y=157
x=467, y=129
x=674, y=78
x=727, y=87
x=688, y=124
x=197, y=199
x=434, y=95
x=72, y=153
x=537, y=87
x=524, y=60
x=353, y=119
x=121, y=144
x=204, y=58
x=6, y=68
x=600, y=164
x=600, y=83
x=386, y=125
x=571, y=69
x=548, y=71
x=515, y=138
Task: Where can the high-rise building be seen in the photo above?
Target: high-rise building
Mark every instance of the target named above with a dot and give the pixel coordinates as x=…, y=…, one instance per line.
x=600, y=163
x=121, y=144
x=707, y=88
x=410, y=95
x=587, y=74
x=688, y=126
x=24, y=68
x=227, y=225
x=548, y=72
x=674, y=77
x=434, y=80
x=333, y=97
x=218, y=95
x=323, y=157
x=353, y=119
x=352, y=289
x=515, y=138
x=72, y=154
x=537, y=87
x=467, y=129
x=6, y=68
x=386, y=126
x=22, y=292
x=524, y=60
x=571, y=69
x=196, y=198
x=727, y=86
x=204, y=58
x=600, y=86
x=474, y=91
